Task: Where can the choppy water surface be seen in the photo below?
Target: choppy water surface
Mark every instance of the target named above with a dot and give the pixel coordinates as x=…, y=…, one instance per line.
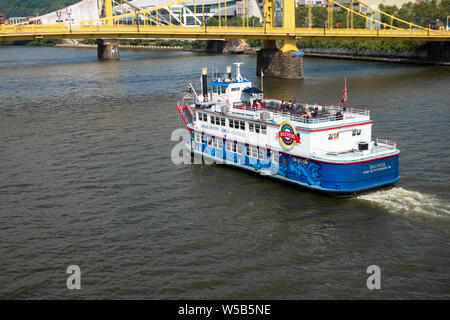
x=86, y=178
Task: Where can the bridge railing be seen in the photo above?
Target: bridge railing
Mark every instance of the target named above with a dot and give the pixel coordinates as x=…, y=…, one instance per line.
x=155, y=22
x=250, y=32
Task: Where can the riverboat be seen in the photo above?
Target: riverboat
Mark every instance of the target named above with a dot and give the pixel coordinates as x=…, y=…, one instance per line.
x=326, y=148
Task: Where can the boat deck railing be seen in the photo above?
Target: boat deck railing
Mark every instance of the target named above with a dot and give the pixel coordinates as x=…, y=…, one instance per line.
x=298, y=113
x=385, y=142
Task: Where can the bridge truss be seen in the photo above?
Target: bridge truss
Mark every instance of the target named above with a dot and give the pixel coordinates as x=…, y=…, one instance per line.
x=190, y=19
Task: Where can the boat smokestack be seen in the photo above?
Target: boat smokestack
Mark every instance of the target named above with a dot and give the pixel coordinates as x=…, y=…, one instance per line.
x=205, y=83
x=229, y=72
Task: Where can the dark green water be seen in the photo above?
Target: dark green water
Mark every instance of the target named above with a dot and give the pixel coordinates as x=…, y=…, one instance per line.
x=86, y=178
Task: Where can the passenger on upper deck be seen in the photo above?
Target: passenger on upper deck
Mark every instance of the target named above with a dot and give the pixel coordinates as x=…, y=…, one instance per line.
x=316, y=111
x=294, y=102
x=256, y=104
x=307, y=111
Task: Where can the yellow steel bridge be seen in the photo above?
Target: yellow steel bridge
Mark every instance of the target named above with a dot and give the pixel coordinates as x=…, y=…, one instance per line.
x=148, y=23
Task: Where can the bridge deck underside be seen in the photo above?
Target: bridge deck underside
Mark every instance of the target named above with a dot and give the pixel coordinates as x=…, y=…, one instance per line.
x=32, y=32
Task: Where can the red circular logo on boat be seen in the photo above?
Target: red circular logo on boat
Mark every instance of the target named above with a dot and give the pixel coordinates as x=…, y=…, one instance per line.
x=288, y=135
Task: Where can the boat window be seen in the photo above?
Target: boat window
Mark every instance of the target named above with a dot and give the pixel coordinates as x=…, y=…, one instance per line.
x=247, y=150
x=251, y=151
x=224, y=90
x=356, y=132
x=231, y=123
x=276, y=158
x=242, y=125
x=203, y=138
x=257, y=127
x=205, y=117
x=212, y=119
x=254, y=152
x=218, y=121
x=260, y=154
x=222, y=121
x=239, y=148
x=236, y=124
x=228, y=145
x=198, y=137
x=264, y=129
x=210, y=141
x=234, y=89
x=251, y=127
x=218, y=143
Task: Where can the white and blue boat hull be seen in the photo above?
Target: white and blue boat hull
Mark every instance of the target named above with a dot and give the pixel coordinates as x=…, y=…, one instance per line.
x=337, y=179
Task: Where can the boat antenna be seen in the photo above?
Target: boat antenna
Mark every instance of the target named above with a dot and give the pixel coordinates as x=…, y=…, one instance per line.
x=238, y=71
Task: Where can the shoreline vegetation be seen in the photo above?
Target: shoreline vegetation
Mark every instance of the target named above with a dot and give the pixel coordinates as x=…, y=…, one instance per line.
x=358, y=47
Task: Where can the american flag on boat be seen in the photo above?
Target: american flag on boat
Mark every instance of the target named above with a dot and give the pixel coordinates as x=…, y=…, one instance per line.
x=344, y=92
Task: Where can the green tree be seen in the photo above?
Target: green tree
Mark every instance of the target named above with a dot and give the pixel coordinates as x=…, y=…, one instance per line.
x=14, y=8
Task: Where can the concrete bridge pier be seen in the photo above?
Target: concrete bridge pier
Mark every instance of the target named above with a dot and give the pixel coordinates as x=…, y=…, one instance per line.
x=438, y=51
x=108, y=49
x=216, y=46
x=280, y=63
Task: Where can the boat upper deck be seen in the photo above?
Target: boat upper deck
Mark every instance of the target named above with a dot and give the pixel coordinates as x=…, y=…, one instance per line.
x=300, y=114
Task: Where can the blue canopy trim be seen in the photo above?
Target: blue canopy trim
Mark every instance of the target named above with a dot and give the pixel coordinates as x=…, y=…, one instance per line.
x=220, y=84
x=298, y=54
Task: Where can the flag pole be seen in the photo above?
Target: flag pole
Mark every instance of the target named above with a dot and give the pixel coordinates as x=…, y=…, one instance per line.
x=262, y=84
x=344, y=94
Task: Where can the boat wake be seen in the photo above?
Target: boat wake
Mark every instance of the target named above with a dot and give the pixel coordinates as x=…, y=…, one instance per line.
x=407, y=202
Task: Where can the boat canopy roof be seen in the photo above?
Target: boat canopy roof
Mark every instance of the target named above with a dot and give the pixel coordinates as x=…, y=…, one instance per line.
x=252, y=90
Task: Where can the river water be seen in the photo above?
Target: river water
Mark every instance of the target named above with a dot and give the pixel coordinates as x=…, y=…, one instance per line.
x=86, y=179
